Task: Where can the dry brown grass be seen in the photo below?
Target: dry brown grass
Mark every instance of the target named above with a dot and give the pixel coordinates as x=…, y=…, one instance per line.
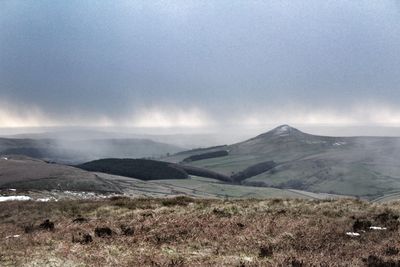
x=187, y=232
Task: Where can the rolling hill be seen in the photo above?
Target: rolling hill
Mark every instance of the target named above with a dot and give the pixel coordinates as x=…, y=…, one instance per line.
x=145, y=169
x=23, y=173
x=69, y=151
x=41, y=180
x=136, y=168
x=283, y=159
x=359, y=166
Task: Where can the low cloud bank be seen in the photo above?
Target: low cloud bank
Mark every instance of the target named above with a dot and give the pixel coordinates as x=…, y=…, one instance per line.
x=196, y=119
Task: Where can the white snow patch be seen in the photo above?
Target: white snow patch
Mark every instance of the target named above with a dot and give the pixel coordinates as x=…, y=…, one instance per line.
x=12, y=236
x=282, y=131
x=12, y=189
x=377, y=228
x=4, y=158
x=352, y=234
x=314, y=142
x=339, y=143
x=43, y=199
x=14, y=198
x=83, y=195
x=248, y=259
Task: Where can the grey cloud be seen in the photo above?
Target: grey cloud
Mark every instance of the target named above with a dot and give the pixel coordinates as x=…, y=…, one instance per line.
x=115, y=58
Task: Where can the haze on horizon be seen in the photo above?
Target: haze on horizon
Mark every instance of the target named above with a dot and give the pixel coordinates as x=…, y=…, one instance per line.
x=200, y=64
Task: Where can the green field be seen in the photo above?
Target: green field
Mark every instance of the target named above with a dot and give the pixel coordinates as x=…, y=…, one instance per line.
x=201, y=186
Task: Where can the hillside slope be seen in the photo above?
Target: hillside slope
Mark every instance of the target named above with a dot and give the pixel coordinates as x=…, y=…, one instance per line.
x=145, y=169
x=23, y=176
x=20, y=172
x=359, y=166
x=136, y=168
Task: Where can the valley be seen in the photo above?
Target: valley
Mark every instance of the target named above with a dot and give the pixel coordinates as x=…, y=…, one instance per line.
x=279, y=163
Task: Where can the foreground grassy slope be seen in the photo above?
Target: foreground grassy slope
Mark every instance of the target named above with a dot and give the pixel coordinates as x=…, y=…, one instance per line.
x=187, y=232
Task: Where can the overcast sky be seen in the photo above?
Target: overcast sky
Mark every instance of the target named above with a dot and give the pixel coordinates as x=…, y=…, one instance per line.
x=199, y=63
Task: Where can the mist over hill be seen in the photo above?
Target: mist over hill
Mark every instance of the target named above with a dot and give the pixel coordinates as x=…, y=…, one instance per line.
x=71, y=151
x=358, y=166
x=183, y=138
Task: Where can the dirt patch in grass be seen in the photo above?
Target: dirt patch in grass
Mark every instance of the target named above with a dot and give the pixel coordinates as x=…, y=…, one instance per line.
x=103, y=232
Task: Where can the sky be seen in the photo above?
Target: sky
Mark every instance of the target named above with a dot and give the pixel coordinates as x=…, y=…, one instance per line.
x=199, y=64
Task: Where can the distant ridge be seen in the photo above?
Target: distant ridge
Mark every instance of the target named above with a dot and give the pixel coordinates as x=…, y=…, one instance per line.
x=79, y=151
x=284, y=130
x=357, y=166
x=281, y=131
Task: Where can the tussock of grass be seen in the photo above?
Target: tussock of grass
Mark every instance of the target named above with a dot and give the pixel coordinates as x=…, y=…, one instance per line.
x=191, y=232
